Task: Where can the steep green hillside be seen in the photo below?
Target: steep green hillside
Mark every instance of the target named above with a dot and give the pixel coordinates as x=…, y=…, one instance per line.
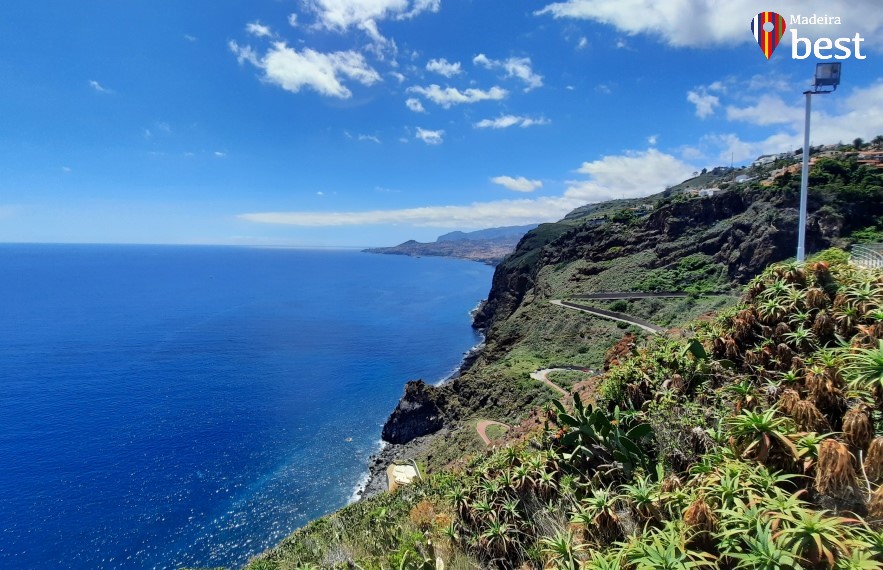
x=551, y=503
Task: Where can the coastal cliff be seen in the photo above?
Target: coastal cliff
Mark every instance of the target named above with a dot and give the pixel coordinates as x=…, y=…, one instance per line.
x=708, y=247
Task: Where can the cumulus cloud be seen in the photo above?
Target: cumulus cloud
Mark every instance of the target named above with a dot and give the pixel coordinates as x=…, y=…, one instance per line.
x=415, y=105
x=768, y=110
x=517, y=67
x=292, y=20
x=321, y=72
x=430, y=137
x=258, y=29
x=859, y=114
x=630, y=175
x=704, y=101
x=700, y=23
x=444, y=67
x=343, y=14
x=506, y=121
x=520, y=184
x=448, y=96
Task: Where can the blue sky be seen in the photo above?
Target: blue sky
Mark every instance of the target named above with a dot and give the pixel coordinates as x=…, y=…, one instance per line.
x=368, y=122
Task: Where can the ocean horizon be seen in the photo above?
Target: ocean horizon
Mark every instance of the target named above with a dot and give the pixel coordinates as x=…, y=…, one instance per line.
x=171, y=406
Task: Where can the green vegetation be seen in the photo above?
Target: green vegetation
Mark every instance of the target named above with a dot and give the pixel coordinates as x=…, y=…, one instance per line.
x=743, y=440
x=753, y=444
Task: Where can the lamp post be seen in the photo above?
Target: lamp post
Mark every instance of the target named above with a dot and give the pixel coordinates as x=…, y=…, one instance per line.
x=827, y=75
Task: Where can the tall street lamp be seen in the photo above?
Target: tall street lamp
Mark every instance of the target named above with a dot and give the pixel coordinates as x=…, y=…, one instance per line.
x=826, y=80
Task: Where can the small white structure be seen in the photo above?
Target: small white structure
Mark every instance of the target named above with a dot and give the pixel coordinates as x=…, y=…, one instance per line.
x=706, y=192
x=399, y=476
x=742, y=178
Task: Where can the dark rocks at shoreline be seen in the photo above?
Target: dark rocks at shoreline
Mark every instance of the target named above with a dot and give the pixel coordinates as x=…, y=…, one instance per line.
x=417, y=414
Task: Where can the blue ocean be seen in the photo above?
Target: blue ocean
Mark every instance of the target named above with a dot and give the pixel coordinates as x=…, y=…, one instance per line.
x=166, y=406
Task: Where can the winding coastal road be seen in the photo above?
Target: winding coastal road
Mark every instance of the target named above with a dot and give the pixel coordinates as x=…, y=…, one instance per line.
x=543, y=376
x=482, y=426
x=613, y=315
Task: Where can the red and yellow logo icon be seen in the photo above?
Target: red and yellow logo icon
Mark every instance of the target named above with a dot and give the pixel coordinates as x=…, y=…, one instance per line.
x=768, y=29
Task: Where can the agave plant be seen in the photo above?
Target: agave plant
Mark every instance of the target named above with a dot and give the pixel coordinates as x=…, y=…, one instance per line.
x=499, y=538
x=864, y=370
x=762, y=551
x=764, y=437
x=665, y=549
x=815, y=536
x=563, y=549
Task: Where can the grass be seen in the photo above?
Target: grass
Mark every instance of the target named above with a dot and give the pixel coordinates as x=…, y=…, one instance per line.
x=495, y=431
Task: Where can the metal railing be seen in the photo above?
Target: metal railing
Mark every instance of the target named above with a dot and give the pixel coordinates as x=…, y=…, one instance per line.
x=869, y=256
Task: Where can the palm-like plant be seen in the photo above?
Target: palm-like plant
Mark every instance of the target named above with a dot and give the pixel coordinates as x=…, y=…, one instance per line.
x=858, y=560
x=763, y=437
x=762, y=551
x=665, y=549
x=643, y=495
x=864, y=369
x=802, y=339
x=499, y=538
x=563, y=549
x=815, y=536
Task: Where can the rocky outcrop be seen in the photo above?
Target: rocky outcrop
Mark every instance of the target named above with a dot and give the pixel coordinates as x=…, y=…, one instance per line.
x=417, y=414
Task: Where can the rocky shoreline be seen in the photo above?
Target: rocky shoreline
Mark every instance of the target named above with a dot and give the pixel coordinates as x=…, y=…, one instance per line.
x=410, y=428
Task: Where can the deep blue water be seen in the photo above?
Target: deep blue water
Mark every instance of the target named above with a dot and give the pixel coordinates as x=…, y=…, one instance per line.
x=168, y=406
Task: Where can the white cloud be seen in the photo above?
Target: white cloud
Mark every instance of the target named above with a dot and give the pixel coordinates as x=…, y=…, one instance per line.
x=220, y=154
x=506, y=121
x=191, y=39
x=397, y=76
x=98, y=87
x=630, y=175
x=322, y=72
x=859, y=114
x=453, y=96
x=342, y=14
x=604, y=88
x=705, y=103
x=415, y=105
x=370, y=138
x=701, y=23
x=517, y=67
x=443, y=67
x=583, y=43
x=652, y=139
x=520, y=184
x=320, y=193
x=258, y=29
x=768, y=110
x=66, y=169
x=473, y=216
x=430, y=137
x=292, y=20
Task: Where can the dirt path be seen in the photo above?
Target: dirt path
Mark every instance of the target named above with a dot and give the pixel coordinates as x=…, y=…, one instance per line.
x=613, y=315
x=543, y=376
x=481, y=428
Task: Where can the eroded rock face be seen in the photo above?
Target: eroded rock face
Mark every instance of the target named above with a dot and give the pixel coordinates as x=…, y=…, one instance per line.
x=417, y=414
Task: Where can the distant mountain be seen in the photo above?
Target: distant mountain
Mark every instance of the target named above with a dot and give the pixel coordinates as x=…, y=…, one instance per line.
x=488, y=246
x=507, y=232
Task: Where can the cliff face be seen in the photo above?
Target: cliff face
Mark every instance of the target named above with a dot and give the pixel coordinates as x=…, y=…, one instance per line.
x=742, y=230
x=418, y=413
